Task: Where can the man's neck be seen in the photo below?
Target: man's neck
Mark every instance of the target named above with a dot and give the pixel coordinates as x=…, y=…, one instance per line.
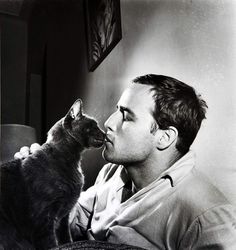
x=144, y=173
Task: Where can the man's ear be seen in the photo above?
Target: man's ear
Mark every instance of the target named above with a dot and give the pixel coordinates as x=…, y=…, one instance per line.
x=165, y=137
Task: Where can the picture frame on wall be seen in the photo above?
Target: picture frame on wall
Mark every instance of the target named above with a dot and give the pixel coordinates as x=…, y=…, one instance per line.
x=103, y=25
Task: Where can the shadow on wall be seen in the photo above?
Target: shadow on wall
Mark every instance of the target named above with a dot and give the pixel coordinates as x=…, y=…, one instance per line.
x=66, y=72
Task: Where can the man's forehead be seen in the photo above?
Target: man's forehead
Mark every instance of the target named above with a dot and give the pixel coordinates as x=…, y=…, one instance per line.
x=137, y=95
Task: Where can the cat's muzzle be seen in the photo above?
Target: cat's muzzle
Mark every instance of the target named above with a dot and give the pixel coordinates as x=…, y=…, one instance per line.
x=97, y=141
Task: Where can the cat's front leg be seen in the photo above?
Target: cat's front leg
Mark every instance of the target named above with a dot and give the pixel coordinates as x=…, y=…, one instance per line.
x=46, y=239
x=63, y=232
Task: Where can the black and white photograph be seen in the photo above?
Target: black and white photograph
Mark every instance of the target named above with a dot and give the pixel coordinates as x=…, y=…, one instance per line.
x=118, y=124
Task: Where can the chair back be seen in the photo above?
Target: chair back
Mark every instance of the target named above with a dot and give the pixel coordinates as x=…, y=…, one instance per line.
x=13, y=137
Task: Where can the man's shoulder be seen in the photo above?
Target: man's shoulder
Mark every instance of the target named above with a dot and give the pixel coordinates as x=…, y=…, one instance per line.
x=197, y=192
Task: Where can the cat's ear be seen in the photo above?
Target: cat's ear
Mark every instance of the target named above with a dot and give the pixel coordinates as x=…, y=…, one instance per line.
x=76, y=110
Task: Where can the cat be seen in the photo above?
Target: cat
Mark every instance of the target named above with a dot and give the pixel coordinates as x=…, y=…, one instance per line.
x=38, y=192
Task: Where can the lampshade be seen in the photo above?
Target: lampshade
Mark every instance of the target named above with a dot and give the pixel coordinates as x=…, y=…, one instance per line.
x=13, y=137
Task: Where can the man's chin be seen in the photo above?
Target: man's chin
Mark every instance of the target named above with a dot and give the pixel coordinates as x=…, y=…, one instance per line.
x=105, y=155
x=108, y=156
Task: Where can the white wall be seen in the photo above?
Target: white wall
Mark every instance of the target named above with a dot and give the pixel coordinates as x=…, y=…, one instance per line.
x=194, y=41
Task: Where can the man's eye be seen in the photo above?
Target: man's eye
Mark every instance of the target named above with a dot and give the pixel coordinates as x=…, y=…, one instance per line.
x=126, y=116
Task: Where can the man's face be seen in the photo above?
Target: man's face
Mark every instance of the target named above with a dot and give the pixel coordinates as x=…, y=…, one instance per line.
x=129, y=139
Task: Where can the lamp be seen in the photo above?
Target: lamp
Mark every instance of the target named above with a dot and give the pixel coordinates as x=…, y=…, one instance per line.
x=13, y=137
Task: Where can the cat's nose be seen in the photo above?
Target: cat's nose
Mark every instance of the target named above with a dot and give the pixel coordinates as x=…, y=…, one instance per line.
x=103, y=134
x=99, y=140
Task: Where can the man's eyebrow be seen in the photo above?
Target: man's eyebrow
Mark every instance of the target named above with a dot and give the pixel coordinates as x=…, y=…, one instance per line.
x=122, y=109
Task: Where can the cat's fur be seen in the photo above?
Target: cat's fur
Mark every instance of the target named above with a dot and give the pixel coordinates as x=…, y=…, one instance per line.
x=38, y=193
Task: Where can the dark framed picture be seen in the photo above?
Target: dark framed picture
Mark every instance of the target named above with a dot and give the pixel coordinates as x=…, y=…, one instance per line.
x=103, y=23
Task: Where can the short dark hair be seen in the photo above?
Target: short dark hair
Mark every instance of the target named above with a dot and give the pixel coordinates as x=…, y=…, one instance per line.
x=177, y=105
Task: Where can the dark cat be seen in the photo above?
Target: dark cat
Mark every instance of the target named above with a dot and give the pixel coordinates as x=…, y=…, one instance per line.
x=38, y=193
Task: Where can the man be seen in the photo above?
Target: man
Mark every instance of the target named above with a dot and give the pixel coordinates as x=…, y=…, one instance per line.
x=151, y=195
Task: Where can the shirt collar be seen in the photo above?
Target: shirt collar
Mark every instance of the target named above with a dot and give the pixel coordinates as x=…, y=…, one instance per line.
x=180, y=168
x=124, y=178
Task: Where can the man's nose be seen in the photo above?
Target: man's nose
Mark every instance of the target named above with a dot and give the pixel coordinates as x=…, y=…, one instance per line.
x=112, y=122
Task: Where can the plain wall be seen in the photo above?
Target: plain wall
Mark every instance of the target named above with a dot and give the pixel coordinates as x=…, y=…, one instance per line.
x=194, y=41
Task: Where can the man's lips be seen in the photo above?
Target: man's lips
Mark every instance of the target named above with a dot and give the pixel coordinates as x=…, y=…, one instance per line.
x=107, y=139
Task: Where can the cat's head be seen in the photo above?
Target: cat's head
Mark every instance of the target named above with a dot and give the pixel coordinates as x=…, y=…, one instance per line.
x=78, y=127
x=83, y=128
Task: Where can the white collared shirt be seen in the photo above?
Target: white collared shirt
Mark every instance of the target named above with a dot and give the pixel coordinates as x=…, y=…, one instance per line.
x=179, y=210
